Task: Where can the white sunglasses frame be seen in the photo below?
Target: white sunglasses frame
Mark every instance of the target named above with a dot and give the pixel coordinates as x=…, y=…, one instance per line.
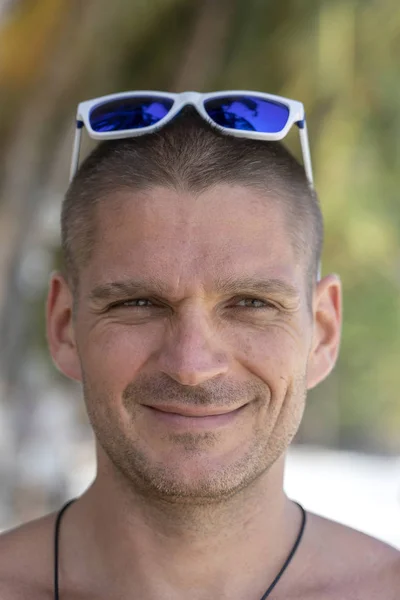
x=196, y=99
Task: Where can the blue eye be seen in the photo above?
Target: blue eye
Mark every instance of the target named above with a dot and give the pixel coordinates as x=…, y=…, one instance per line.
x=263, y=303
x=130, y=303
x=245, y=303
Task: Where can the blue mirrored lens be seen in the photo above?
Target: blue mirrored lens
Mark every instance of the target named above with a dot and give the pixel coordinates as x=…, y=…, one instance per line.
x=129, y=113
x=248, y=113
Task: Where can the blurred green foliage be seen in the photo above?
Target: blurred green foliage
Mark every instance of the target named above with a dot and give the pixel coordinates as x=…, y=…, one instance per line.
x=341, y=59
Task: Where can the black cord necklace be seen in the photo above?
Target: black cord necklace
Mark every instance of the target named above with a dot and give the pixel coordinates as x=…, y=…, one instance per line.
x=267, y=593
x=291, y=554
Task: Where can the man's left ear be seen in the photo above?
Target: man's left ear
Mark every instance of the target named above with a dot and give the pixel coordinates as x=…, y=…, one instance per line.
x=327, y=314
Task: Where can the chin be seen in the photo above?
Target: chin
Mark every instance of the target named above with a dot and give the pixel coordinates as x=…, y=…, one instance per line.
x=195, y=480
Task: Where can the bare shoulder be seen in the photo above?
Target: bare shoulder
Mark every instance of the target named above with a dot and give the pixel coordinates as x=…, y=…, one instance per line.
x=352, y=564
x=26, y=555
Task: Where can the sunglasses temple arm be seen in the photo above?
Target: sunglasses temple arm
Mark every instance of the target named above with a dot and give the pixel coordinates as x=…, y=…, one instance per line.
x=305, y=146
x=75, y=150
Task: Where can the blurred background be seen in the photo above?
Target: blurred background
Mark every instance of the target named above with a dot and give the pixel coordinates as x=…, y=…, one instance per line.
x=341, y=59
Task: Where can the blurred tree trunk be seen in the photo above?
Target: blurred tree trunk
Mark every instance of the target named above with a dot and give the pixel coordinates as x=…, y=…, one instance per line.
x=206, y=45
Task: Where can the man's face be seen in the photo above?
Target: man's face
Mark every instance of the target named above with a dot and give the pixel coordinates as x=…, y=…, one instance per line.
x=194, y=336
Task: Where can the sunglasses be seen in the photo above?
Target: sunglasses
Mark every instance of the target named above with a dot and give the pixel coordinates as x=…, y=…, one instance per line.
x=253, y=115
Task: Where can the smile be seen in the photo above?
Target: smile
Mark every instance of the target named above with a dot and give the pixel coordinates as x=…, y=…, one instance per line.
x=194, y=417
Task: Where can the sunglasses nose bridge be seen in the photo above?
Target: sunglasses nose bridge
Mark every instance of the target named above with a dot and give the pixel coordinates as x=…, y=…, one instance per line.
x=191, y=98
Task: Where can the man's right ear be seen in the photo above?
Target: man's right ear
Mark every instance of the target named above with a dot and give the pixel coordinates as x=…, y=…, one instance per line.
x=60, y=328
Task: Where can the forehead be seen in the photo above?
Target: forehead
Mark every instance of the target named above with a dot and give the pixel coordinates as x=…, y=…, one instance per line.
x=181, y=236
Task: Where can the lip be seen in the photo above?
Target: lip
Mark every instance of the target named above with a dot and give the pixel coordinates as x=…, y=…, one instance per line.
x=196, y=412
x=184, y=418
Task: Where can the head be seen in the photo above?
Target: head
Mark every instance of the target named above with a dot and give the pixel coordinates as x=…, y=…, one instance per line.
x=189, y=306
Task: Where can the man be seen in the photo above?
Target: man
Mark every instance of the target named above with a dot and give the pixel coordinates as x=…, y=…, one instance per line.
x=191, y=310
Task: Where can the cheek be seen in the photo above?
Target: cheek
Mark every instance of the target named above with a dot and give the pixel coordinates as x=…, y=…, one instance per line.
x=274, y=355
x=111, y=357
x=278, y=357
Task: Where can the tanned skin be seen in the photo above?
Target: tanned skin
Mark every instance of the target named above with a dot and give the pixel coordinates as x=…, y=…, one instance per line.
x=194, y=305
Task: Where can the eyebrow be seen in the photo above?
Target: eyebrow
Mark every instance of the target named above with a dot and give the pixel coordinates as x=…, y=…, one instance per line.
x=115, y=290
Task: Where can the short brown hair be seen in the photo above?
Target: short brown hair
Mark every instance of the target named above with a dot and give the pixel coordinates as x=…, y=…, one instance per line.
x=188, y=154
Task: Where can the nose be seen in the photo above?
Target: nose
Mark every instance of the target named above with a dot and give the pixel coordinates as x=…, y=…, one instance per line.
x=193, y=351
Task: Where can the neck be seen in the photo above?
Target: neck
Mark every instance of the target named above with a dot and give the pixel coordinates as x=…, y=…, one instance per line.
x=159, y=548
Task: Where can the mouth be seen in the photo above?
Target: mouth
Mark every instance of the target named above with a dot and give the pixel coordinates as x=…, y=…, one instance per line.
x=194, y=417
x=195, y=412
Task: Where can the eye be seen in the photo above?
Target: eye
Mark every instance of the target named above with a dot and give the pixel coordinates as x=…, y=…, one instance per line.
x=247, y=303
x=135, y=303
x=256, y=303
